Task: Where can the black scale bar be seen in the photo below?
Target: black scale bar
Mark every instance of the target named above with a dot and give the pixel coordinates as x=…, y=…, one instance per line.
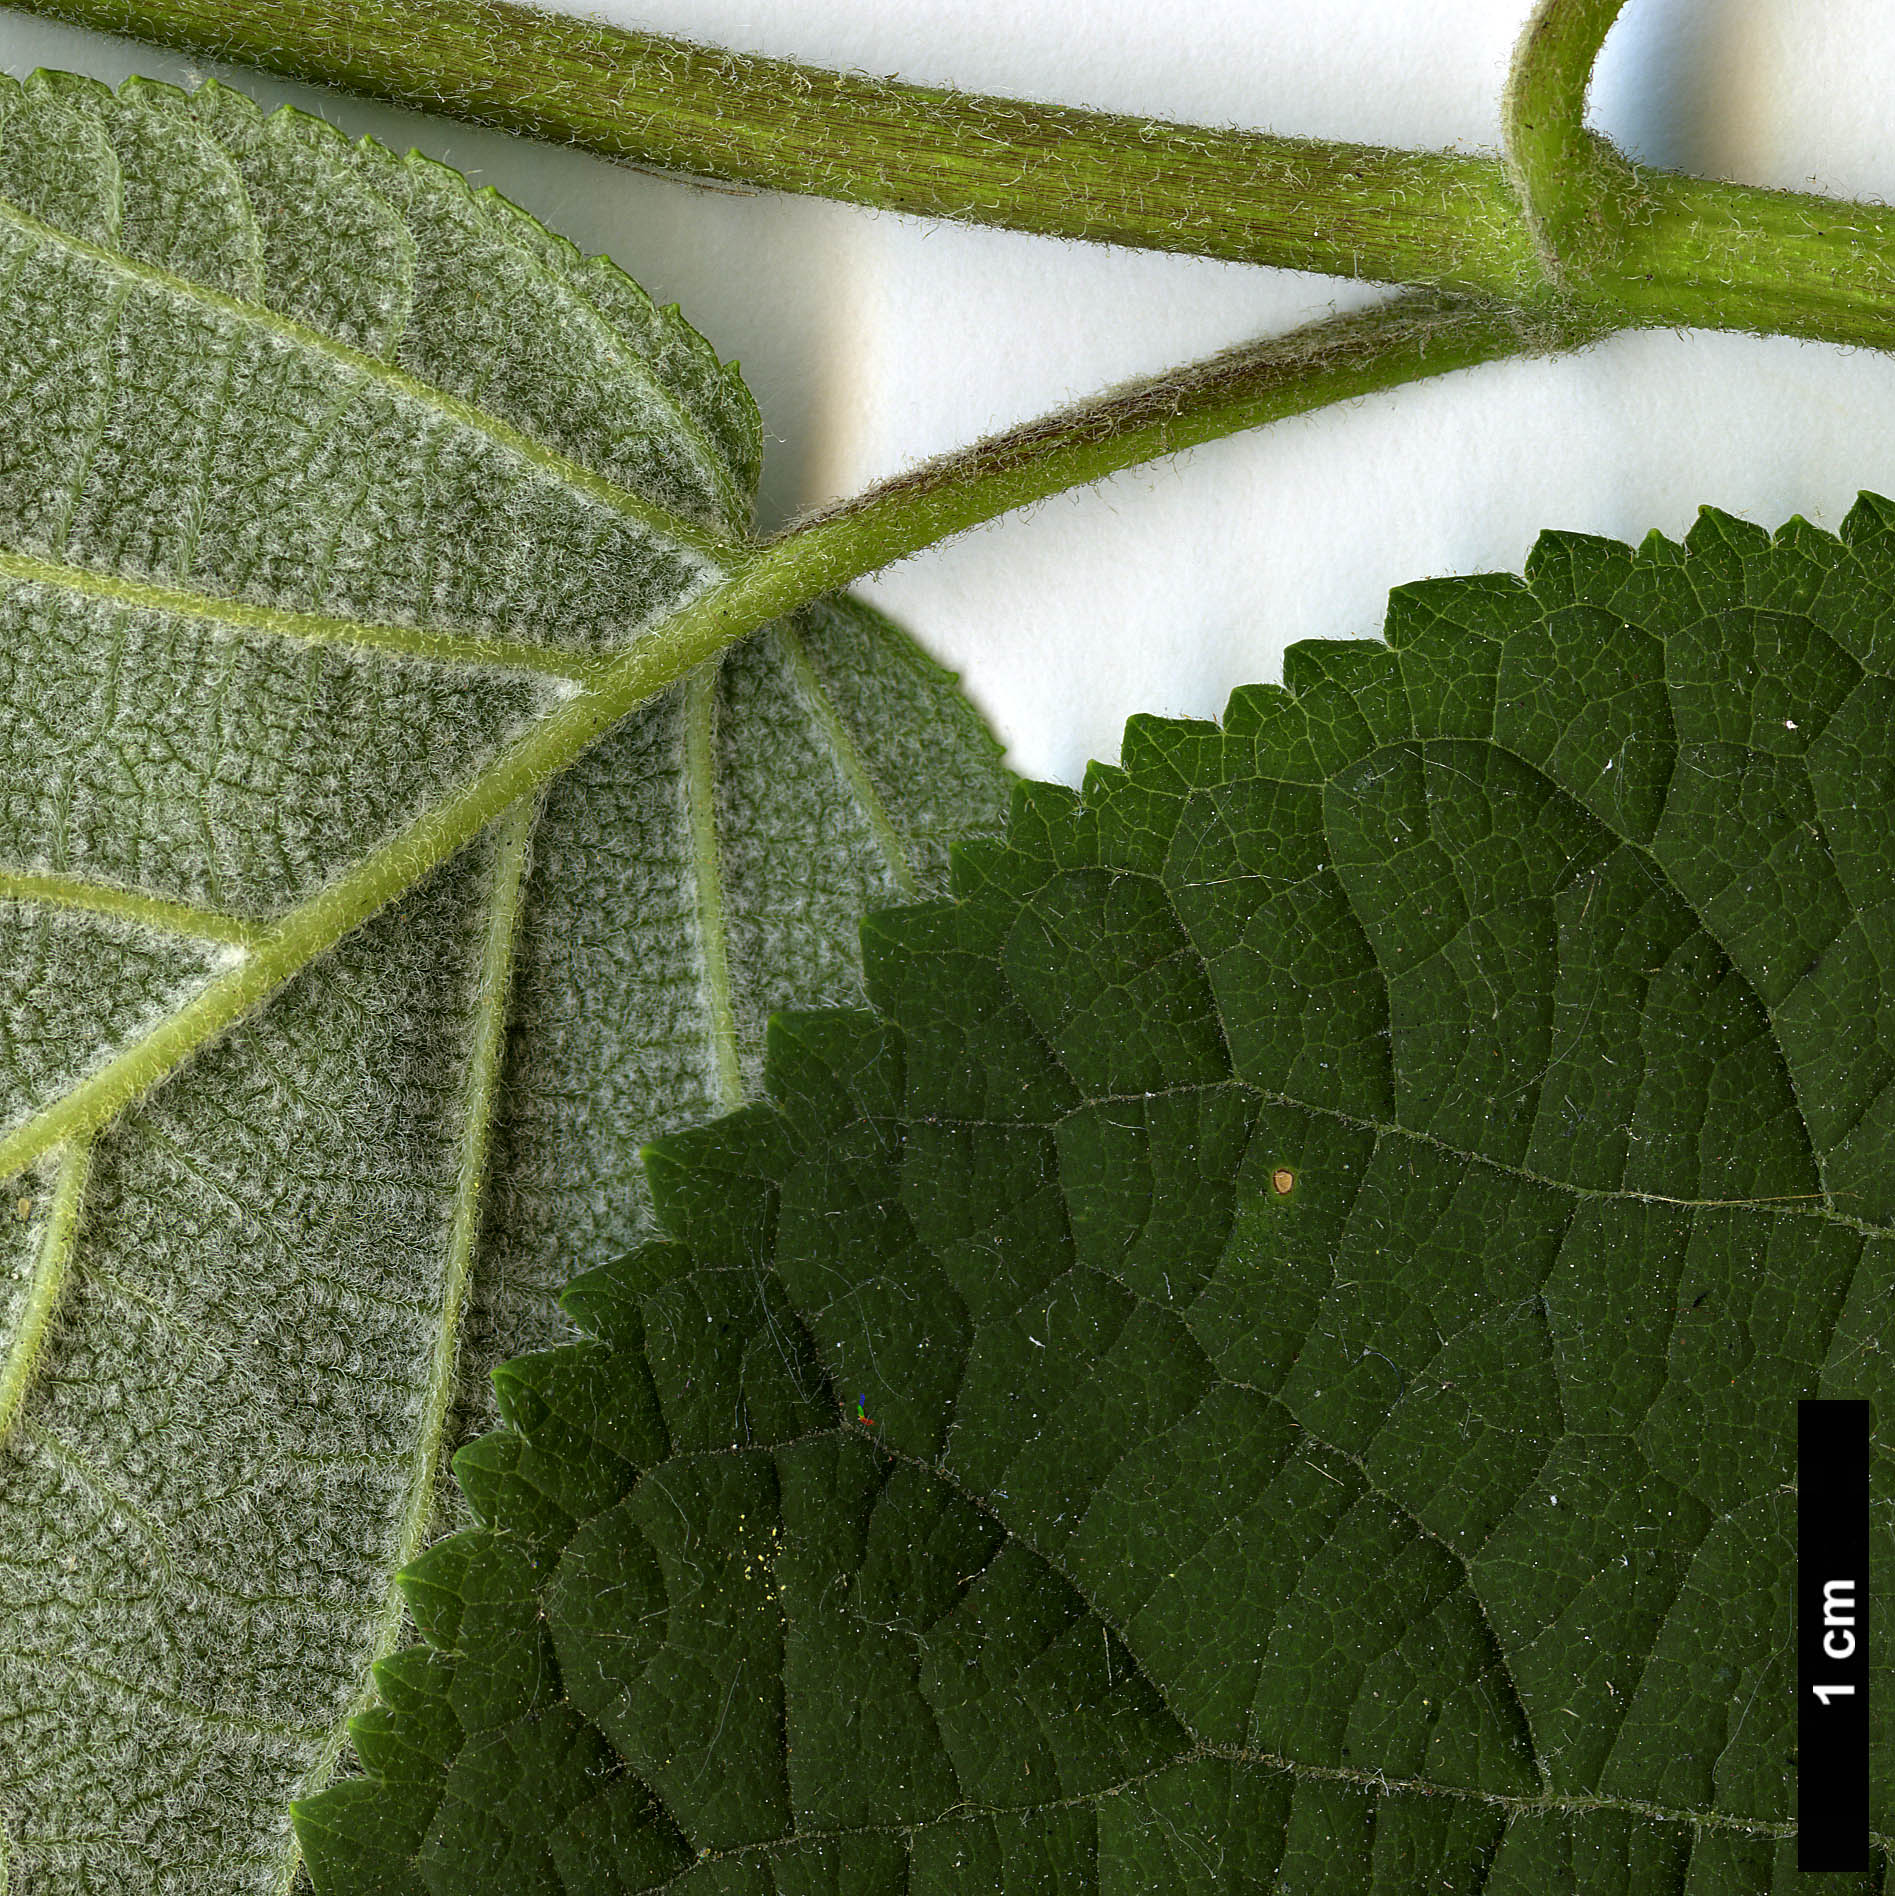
x=1832, y=1636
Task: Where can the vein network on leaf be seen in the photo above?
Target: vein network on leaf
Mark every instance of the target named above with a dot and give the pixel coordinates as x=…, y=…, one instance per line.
x=396, y=835
x=1332, y=1222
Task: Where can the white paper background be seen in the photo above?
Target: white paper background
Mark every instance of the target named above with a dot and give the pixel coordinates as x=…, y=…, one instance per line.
x=873, y=340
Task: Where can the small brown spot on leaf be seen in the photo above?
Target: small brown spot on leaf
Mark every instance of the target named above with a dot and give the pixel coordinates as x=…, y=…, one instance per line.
x=1282, y=1180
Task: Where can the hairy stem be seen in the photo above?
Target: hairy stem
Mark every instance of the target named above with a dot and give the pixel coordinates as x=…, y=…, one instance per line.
x=1348, y=356
x=1310, y=204
x=1563, y=173
x=1657, y=247
x=1566, y=219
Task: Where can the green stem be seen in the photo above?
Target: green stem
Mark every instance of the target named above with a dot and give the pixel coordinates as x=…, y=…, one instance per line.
x=1309, y=204
x=1348, y=356
x=1651, y=247
x=1563, y=173
x=1566, y=219
x=1691, y=252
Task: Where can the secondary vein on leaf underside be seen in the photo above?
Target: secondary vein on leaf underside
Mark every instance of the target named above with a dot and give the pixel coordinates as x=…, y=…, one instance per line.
x=848, y=757
x=707, y=870
x=699, y=778
x=51, y=1262
x=505, y=904
x=714, y=547
x=306, y=628
x=775, y=581
x=152, y=911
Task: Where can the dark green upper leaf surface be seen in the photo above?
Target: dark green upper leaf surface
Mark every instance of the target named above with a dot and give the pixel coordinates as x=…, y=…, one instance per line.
x=1271, y=1361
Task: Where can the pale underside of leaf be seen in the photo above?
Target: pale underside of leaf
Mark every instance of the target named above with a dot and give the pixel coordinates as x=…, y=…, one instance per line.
x=330, y=491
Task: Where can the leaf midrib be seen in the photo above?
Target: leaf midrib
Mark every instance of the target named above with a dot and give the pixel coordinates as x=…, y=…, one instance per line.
x=691, y=633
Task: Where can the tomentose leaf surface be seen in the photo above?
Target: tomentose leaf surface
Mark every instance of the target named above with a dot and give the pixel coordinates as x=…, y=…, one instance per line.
x=328, y=487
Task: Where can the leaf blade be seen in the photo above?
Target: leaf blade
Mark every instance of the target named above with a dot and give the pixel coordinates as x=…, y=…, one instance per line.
x=1423, y=1435
x=289, y=625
